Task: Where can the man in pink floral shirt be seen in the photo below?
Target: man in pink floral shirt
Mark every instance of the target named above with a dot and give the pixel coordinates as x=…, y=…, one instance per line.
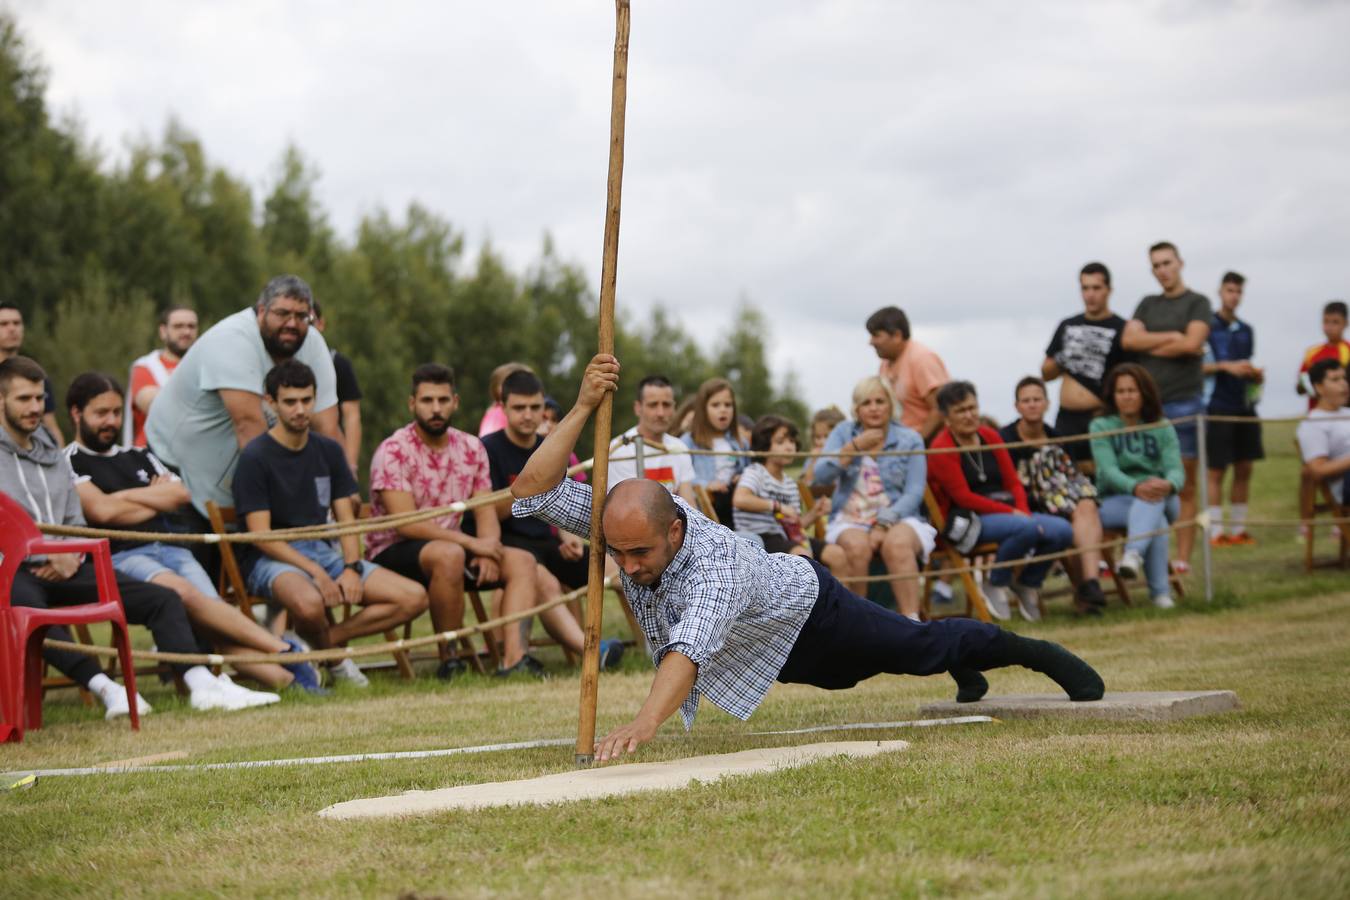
x=427, y=464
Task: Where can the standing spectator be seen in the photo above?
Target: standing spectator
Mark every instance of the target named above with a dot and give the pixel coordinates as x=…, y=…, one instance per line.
x=289, y=477
x=1138, y=476
x=714, y=420
x=126, y=487
x=1237, y=386
x=563, y=560
x=11, y=342
x=348, y=396
x=913, y=371
x=878, y=499
x=495, y=417
x=37, y=476
x=985, y=482
x=1324, y=437
x=1055, y=485
x=768, y=503
x=149, y=373
x=822, y=423
x=1170, y=332
x=1084, y=348
x=428, y=464
x=1336, y=347
x=213, y=406
x=655, y=410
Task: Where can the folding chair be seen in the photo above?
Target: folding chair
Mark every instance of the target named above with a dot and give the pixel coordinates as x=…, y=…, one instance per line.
x=23, y=628
x=1310, y=507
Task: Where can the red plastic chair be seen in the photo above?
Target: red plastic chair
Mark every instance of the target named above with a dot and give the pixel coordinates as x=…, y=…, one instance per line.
x=23, y=628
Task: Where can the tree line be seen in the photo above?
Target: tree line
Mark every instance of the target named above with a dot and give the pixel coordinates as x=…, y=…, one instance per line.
x=90, y=252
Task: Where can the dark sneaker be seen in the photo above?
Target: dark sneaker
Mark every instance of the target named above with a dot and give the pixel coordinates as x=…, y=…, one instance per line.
x=1090, y=599
x=528, y=665
x=611, y=651
x=450, y=668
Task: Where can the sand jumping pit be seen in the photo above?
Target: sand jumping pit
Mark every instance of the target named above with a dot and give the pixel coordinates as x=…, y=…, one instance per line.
x=605, y=781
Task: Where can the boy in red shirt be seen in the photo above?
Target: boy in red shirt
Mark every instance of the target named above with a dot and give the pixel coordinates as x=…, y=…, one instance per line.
x=1333, y=326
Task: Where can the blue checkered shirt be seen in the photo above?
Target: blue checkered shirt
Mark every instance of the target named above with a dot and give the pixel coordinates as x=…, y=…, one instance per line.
x=723, y=602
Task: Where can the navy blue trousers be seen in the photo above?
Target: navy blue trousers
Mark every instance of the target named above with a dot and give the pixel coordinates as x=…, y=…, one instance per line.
x=848, y=639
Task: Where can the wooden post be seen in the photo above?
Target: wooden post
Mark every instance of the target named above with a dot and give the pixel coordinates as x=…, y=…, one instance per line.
x=604, y=416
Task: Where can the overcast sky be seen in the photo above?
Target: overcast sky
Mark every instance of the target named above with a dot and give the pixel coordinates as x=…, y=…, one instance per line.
x=823, y=159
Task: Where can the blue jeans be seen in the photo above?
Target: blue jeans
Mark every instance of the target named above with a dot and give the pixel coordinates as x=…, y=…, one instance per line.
x=151, y=560
x=1019, y=536
x=1134, y=516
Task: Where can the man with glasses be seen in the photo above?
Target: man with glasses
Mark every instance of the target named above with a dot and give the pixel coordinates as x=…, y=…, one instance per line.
x=213, y=405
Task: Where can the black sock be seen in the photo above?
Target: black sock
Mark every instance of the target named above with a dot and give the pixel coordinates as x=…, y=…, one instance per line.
x=1078, y=679
x=970, y=685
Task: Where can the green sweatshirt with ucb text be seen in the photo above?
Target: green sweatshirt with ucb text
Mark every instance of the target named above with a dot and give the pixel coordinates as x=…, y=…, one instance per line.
x=1124, y=460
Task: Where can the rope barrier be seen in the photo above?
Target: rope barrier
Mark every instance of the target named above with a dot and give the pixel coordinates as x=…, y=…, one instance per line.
x=333, y=654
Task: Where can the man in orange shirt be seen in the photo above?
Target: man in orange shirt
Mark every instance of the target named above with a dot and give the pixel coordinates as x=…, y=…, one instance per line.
x=177, y=332
x=1336, y=347
x=914, y=371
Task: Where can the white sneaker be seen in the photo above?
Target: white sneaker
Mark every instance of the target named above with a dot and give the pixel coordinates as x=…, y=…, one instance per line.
x=115, y=701
x=224, y=695
x=350, y=672
x=996, y=601
x=1164, y=601
x=1028, y=602
x=1130, y=565
x=249, y=697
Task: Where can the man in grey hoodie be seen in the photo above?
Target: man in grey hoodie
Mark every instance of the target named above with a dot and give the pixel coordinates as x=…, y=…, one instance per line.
x=37, y=475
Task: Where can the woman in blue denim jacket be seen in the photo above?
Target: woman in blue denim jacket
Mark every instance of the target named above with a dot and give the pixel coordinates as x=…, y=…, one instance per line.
x=877, y=498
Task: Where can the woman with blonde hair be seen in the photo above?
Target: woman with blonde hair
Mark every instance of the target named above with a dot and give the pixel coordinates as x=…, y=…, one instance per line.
x=495, y=417
x=877, y=498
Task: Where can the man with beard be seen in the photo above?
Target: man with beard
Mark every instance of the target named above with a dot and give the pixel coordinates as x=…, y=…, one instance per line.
x=427, y=464
x=126, y=487
x=11, y=342
x=289, y=477
x=35, y=474
x=149, y=373
x=213, y=406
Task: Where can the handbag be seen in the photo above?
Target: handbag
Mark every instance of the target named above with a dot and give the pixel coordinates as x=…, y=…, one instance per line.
x=962, y=531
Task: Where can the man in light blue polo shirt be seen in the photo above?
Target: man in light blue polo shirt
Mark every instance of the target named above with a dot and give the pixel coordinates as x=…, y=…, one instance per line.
x=212, y=405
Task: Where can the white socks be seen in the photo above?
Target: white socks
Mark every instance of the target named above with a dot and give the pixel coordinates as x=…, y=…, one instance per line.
x=1216, y=521
x=199, y=678
x=1237, y=514
x=114, y=697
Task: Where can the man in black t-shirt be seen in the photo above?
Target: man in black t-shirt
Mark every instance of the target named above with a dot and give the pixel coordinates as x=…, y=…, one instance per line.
x=1085, y=347
x=127, y=487
x=349, y=397
x=290, y=477
x=563, y=559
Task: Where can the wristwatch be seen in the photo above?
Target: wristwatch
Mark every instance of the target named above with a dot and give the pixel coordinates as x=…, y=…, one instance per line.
x=354, y=566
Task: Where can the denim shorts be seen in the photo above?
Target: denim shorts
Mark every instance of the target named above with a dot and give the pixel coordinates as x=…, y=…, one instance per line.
x=266, y=569
x=1187, y=433
x=149, y=561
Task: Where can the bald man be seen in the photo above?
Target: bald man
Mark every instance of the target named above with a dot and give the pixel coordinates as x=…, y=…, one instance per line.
x=724, y=619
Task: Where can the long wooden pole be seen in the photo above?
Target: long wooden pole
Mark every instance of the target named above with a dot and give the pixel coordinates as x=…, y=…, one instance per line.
x=604, y=416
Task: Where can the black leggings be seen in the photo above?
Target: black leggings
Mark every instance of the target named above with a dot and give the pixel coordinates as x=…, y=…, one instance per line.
x=158, y=608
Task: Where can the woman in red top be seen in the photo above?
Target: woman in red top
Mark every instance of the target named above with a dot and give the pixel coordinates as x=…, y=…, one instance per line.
x=985, y=481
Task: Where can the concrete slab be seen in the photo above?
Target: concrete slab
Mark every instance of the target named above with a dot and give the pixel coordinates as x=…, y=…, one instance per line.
x=1138, y=706
x=604, y=781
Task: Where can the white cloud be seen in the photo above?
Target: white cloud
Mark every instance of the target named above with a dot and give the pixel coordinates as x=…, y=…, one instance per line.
x=823, y=158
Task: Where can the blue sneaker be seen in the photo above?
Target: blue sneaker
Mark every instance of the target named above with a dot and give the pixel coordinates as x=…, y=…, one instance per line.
x=611, y=651
x=306, y=676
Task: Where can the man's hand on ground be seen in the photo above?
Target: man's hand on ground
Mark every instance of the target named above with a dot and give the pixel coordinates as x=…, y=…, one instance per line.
x=624, y=739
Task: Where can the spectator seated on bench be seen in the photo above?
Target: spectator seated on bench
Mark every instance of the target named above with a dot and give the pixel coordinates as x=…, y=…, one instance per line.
x=877, y=499
x=1139, y=476
x=985, y=482
x=290, y=477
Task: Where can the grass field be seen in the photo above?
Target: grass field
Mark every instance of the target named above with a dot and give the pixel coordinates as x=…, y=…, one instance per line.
x=1254, y=803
